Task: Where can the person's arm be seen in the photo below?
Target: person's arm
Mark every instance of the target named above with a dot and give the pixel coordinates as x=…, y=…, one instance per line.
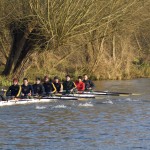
x=19, y=92
x=23, y=90
x=43, y=89
x=54, y=88
x=31, y=91
x=83, y=86
x=92, y=84
x=76, y=83
x=73, y=87
x=61, y=87
x=64, y=86
x=22, y=94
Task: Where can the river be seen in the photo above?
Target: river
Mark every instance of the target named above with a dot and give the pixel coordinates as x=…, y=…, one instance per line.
x=104, y=123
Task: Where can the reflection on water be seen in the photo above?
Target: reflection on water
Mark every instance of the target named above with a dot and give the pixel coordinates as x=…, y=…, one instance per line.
x=107, y=123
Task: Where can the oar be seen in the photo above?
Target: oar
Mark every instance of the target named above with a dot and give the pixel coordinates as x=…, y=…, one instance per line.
x=107, y=93
x=119, y=93
x=98, y=93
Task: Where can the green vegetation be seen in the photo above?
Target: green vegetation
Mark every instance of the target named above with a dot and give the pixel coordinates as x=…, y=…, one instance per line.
x=107, y=39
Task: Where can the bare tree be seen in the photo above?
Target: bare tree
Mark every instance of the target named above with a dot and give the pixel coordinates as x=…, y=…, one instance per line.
x=92, y=28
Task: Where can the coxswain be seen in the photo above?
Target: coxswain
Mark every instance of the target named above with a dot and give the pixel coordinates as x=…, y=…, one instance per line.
x=14, y=89
x=27, y=90
x=49, y=87
x=58, y=85
x=68, y=85
x=89, y=85
x=38, y=88
x=80, y=84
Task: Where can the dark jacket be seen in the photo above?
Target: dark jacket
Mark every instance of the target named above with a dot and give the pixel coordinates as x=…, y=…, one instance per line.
x=68, y=85
x=58, y=86
x=14, y=90
x=49, y=87
x=88, y=84
x=38, y=89
x=27, y=89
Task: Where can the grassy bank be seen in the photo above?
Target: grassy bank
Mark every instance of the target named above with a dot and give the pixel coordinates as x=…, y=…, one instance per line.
x=142, y=71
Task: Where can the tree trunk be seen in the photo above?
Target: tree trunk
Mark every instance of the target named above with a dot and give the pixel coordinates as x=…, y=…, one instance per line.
x=19, y=49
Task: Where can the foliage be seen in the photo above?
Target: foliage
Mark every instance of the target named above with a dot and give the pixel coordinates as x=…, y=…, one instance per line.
x=100, y=37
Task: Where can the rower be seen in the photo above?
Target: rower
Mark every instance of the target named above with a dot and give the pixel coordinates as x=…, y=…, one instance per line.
x=89, y=85
x=14, y=89
x=38, y=88
x=49, y=87
x=57, y=84
x=80, y=84
x=68, y=85
x=27, y=90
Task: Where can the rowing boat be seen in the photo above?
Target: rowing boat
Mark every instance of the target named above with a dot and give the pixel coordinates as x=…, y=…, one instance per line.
x=36, y=100
x=22, y=101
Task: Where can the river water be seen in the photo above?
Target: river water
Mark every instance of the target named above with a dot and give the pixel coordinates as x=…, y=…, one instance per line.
x=104, y=123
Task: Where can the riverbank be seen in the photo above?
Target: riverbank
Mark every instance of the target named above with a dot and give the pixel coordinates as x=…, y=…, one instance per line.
x=32, y=73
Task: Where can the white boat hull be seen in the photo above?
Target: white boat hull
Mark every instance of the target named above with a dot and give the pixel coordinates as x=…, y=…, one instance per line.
x=29, y=101
x=23, y=101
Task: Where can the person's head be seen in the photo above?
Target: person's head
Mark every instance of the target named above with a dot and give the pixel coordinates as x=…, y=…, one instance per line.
x=67, y=77
x=85, y=76
x=15, y=81
x=25, y=81
x=56, y=79
x=38, y=80
x=46, y=79
x=79, y=78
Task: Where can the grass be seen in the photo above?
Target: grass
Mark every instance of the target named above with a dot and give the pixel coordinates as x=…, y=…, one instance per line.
x=32, y=73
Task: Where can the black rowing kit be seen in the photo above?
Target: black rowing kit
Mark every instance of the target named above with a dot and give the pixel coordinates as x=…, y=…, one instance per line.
x=14, y=90
x=49, y=87
x=68, y=85
x=88, y=84
x=27, y=89
x=38, y=89
x=57, y=86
